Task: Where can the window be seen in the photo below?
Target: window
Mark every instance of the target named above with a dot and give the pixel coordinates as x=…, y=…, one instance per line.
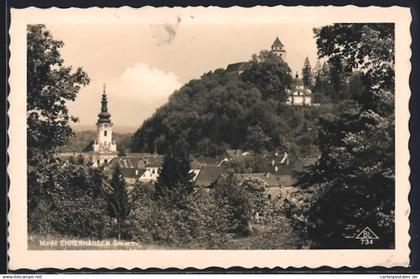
x=105, y=161
x=105, y=133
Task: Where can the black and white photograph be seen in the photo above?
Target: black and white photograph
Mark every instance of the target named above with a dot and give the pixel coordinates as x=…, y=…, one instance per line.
x=192, y=132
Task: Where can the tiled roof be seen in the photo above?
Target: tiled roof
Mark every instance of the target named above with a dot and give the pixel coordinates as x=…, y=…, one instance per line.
x=154, y=161
x=196, y=164
x=209, y=175
x=236, y=67
x=131, y=172
x=126, y=162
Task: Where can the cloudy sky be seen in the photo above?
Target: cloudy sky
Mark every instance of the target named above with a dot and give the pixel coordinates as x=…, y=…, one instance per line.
x=142, y=64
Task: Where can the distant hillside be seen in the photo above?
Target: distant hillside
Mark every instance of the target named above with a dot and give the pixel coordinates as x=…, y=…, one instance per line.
x=84, y=139
x=225, y=109
x=116, y=128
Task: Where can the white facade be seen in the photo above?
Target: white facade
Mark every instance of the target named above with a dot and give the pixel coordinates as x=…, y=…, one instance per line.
x=299, y=99
x=151, y=174
x=104, y=142
x=298, y=95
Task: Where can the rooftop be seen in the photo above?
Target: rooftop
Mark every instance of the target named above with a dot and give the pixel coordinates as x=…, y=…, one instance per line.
x=238, y=67
x=208, y=175
x=277, y=43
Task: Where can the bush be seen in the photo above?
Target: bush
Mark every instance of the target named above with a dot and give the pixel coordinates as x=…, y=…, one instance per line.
x=201, y=223
x=71, y=201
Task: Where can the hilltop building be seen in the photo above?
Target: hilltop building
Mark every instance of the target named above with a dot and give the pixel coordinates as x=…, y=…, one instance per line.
x=297, y=94
x=238, y=68
x=104, y=148
x=277, y=48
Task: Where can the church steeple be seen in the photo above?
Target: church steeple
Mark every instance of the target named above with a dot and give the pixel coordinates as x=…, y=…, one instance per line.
x=104, y=147
x=104, y=115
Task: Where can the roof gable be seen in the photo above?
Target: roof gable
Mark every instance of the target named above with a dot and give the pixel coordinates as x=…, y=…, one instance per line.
x=277, y=43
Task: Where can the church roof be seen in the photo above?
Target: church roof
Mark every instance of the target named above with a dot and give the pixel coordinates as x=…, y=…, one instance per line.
x=104, y=116
x=297, y=81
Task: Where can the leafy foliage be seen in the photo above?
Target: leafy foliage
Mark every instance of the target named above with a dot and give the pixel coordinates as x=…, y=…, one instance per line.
x=225, y=110
x=353, y=184
x=50, y=84
x=71, y=201
x=174, y=183
x=269, y=74
x=366, y=46
x=117, y=198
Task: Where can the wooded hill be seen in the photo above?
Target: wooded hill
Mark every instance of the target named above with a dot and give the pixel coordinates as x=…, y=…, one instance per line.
x=226, y=109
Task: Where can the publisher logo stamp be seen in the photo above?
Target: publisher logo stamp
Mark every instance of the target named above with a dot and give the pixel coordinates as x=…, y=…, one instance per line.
x=367, y=236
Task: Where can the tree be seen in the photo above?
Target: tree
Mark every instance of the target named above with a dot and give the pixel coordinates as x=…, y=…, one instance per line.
x=72, y=201
x=50, y=85
x=323, y=90
x=235, y=199
x=337, y=78
x=369, y=47
x=307, y=73
x=175, y=183
x=118, y=202
x=257, y=140
x=353, y=184
x=269, y=74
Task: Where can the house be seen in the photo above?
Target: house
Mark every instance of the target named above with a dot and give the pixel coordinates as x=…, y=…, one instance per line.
x=132, y=175
x=144, y=167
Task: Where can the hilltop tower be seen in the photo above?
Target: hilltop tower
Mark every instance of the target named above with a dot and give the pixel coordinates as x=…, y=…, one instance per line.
x=104, y=148
x=277, y=48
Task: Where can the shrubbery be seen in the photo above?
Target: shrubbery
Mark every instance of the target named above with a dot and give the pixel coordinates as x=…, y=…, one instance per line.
x=70, y=201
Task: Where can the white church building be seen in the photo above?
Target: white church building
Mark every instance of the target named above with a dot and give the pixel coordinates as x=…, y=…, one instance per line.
x=297, y=94
x=104, y=147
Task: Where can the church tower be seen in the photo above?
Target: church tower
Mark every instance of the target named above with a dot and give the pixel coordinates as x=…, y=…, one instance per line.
x=277, y=48
x=104, y=148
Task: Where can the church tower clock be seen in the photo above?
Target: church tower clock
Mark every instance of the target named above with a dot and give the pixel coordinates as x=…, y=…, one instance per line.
x=104, y=148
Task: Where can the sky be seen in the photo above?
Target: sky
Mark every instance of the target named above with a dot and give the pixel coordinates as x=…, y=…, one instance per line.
x=143, y=64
